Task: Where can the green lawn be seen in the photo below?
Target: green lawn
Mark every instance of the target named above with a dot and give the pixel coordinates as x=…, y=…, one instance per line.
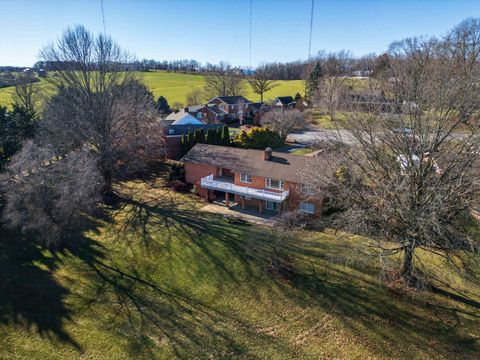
x=175, y=86
x=155, y=278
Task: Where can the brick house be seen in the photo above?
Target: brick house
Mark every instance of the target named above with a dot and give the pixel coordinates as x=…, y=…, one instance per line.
x=259, y=179
x=231, y=107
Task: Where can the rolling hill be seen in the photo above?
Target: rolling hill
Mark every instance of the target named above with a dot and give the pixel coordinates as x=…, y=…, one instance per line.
x=175, y=86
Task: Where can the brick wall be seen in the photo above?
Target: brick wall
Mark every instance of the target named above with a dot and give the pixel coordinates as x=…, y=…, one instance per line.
x=173, y=147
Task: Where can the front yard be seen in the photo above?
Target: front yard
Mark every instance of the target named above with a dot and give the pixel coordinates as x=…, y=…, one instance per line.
x=154, y=277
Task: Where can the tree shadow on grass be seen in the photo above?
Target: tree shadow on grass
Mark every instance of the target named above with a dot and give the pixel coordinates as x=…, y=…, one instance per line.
x=134, y=306
x=148, y=316
x=412, y=325
x=30, y=298
x=201, y=232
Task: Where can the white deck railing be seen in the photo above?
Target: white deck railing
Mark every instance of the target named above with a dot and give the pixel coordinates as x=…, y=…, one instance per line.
x=208, y=182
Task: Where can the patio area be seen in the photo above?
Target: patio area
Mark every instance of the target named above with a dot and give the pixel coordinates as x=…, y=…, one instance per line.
x=249, y=215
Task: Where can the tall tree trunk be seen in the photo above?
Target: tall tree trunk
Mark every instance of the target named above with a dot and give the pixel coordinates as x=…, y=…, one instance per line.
x=407, y=267
x=261, y=96
x=107, y=187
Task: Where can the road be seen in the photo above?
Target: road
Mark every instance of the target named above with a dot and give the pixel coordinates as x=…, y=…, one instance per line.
x=310, y=137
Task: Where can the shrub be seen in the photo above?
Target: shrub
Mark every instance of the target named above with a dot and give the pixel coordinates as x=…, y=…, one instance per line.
x=175, y=172
x=257, y=138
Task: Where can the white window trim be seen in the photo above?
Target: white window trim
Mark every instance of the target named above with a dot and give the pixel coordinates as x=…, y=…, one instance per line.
x=304, y=207
x=244, y=178
x=268, y=184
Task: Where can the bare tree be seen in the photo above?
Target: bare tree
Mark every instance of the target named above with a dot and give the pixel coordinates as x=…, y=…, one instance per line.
x=122, y=140
x=462, y=45
x=337, y=68
x=98, y=102
x=225, y=81
x=45, y=195
x=406, y=181
x=195, y=96
x=284, y=121
x=26, y=93
x=260, y=81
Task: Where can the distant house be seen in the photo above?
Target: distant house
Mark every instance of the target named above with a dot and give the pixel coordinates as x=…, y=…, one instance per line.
x=188, y=119
x=232, y=107
x=173, y=136
x=284, y=102
x=176, y=115
x=259, y=179
x=196, y=111
x=182, y=118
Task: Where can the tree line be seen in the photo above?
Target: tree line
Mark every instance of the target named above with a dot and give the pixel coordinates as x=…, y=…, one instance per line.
x=218, y=136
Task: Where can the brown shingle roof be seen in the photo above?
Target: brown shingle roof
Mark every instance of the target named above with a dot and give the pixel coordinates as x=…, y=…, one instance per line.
x=281, y=166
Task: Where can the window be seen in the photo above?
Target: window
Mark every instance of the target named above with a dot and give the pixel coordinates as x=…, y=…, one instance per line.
x=271, y=205
x=171, y=131
x=307, y=208
x=274, y=184
x=307, y=189
x=199, y=115
x=246, y=178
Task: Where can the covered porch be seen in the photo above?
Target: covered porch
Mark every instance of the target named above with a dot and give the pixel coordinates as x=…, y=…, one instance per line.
x=243, y=196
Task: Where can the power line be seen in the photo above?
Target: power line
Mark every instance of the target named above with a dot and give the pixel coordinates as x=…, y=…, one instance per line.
x=311, y=28
x=250, y=55
x=103, y=18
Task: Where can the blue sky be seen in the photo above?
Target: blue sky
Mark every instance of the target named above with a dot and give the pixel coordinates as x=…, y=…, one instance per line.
x=215, y=30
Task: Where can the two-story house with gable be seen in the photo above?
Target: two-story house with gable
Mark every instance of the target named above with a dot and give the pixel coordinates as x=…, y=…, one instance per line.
x=260, y=179
x=232, y=107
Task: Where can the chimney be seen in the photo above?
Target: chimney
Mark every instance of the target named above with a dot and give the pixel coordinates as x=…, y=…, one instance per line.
x=267, y=153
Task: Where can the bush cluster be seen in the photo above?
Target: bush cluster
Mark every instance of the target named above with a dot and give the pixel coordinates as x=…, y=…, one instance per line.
x=257, y=138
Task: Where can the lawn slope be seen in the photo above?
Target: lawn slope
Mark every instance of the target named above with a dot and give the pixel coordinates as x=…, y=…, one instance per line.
x=175, y=86
x=153, y=277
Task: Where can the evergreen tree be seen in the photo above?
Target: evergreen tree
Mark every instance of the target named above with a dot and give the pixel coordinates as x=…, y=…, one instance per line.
x=226, y=136
x=198, y=137
x=210, y=137
x=218, y=136
x=190, y=140
x=16, y=126
x=203, y=138
x=162, y=105
x=313, y=79
x=184, y=143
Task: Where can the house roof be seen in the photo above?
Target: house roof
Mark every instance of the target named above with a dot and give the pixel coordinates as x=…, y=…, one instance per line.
x=176, y=115
x=216, y=110
x=194, y=108
x=285, y=100
x=187, y=119
x=173, y=130
x=257, y=106
x=232, y=100
x=281, y=166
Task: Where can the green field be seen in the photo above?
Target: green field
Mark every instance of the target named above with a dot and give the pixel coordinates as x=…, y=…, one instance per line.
x=155, y=278
x=175, y=86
